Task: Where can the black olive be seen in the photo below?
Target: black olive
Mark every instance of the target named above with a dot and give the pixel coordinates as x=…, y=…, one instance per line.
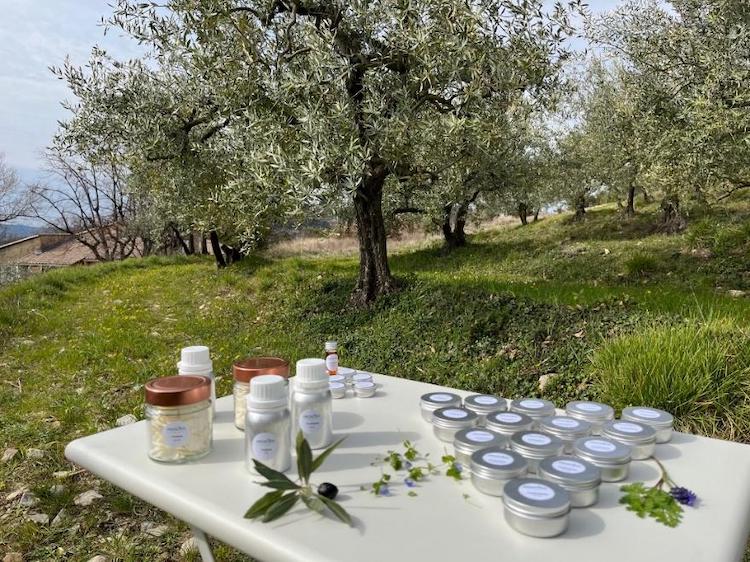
x=328, y=490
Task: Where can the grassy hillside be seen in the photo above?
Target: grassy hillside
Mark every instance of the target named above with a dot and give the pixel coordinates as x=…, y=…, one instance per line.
x=609, y=309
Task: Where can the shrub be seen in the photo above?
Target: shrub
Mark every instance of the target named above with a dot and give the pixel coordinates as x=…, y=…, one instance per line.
x=699, y=373
x=641, y=265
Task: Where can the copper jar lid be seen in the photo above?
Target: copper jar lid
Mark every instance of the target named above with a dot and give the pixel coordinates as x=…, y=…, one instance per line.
x=250, y=367
x=179, y=390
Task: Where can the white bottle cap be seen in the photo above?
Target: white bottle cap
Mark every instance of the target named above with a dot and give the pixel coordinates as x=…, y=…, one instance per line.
x=331, y=345
x=195, y=360
x=267, y=391
x=311, y=374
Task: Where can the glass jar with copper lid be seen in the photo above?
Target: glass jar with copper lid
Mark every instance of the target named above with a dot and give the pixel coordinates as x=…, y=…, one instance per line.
x=180, y=420
x=245, y=370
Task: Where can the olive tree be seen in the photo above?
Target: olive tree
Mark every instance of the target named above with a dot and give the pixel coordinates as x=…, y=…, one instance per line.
x=253, y=110
x=689, y=61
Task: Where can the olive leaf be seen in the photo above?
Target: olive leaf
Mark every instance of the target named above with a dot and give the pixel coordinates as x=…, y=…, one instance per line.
x=320, y=459
x=270, y=474
x=336, y=509
x=314, y=503
x=262, y=505
x=304, y=458
x=283, y=505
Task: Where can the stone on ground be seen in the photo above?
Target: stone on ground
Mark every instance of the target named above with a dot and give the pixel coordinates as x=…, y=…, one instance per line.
x=87, y=497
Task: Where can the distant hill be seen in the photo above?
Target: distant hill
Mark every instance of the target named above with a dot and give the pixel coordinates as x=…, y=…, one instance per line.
x=10, y=232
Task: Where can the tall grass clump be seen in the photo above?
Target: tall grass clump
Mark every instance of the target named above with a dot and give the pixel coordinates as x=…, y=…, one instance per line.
x=700, y=372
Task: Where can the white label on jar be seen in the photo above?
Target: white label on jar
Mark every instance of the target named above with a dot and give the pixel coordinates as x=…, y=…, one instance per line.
x=533, y=404
x=332, y=362
x=646, y=413
x=568, y=467
x=508, y=417
x=627, y=427
x=310, y=421
x=566, y=423
x=479, y=436
x=534, y=491
x=588, y=407
x=600, y=446
x=175, y=434
x=455, y=414
x=264, y=446
x=440, y=397
x=486, y=400
x=497, y=459
x=536, y=439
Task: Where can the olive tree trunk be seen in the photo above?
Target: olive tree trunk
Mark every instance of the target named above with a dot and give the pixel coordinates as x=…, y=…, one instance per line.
x=523, y=213
x=580, y=207
x=630, y=206
x=375, y=277
x=672, y=218
x=454, y=230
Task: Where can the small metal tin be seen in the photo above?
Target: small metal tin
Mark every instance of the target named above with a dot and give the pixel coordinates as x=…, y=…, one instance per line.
x=535, y=408
x=347, y=373
x=612, y=457
x=361, y=377
x=535, y=507
x=435, y=400
x=493, y=467
x=507, y=423
x=566, y=429
x=446, y=422
x=483, y=404
x=364, y=389
x=535, y=446
x=660, y=420
x=595, y=413
x=338, y=389
x=579, y=477
x=472, y=439
x=640, y=437
x=337, y=378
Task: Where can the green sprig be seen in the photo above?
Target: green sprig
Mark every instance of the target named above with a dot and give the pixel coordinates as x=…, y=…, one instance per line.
x=286, y=493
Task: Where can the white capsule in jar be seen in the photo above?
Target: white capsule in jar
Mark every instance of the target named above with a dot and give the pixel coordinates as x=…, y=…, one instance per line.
x=180, y=419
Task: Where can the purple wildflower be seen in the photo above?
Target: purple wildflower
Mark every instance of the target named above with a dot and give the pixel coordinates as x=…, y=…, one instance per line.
x=683, y=495
x=458, y=466
x=384, y=491
x=410, y=482
x=407, y=465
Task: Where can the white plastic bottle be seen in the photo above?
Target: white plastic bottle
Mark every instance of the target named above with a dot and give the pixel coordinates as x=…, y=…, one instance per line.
x=311, y=403
x=267, y=424
x=196, y=360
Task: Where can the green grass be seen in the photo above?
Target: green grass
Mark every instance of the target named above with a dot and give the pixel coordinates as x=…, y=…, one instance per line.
x=518, y=303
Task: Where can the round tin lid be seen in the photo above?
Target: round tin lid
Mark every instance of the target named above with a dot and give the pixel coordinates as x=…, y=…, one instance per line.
x=651, y=416
x=499, y=463
x=508, y=420
x=533, y=407
x=570, y=472
x=346, y=372
x=474, y=438
x=629, y=431
x=440, y=399
x=565, y=426
x=453, y=416
x=535, y=497
x=601, y=450
x=592, y=411
x=536, y=443
x=484, y=402
x=250, y=367
x=179, y=390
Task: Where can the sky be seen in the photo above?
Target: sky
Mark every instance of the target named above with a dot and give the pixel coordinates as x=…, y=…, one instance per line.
x=37, y=34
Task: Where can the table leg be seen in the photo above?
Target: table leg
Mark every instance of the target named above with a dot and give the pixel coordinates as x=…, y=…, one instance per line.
x=203, y=547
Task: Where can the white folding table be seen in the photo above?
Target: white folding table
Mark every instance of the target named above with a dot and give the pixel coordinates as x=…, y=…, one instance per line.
x=440, y=523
